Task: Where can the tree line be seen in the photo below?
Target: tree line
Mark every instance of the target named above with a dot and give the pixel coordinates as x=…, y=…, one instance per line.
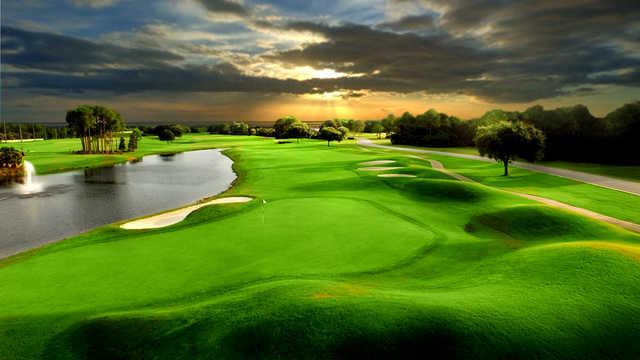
x=330, y=130
x=571, y=133
x=34, y=131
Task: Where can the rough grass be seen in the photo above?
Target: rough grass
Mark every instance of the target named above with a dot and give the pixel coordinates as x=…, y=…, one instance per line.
x=337, y=263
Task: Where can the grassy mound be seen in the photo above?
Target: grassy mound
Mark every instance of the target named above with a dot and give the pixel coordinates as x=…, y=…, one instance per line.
x=435, y=190
x=335, y=264
x=539, y=223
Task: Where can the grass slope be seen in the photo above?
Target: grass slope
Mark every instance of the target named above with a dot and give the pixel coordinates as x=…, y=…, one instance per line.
x=336, y=263
x=605, y=201
x=627, y=172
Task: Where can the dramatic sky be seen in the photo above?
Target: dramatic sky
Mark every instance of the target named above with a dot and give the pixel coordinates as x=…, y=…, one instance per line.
x=201, y=61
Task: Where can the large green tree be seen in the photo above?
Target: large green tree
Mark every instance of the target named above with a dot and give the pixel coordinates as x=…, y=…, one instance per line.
x=298, y=130
x=95, y=126
x=107, y=122
x=81, y=120
x=167, y=135
x=282, y=125
x=505, y=141
x=329, y=133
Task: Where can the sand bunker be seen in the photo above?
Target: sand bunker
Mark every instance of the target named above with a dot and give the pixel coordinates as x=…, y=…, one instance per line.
x=377, y=162
x=397, y=175
x=175, y=216
x=379, y=168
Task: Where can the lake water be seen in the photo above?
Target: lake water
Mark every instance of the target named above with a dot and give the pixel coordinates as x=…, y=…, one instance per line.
x=52, y=207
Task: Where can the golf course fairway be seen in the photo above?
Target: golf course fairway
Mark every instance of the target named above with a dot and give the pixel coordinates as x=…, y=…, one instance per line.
x=329, y=261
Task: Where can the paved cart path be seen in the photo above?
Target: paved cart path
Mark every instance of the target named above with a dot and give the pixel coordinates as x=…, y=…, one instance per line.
x=631, y=187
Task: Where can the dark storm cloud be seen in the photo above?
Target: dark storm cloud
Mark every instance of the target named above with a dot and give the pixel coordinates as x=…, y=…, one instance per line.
x=225, y=7
x=47, y=51
x=410, y=23
x=496, y=50
x=218, y=78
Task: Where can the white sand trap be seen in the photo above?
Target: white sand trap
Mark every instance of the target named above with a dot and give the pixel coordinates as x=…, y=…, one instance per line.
x=380, y=168
x=377, y=162
x=175, y=216
x=397, y=175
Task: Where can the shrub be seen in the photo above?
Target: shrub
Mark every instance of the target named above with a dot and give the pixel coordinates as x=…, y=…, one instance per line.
x=167, y=135
x=10, y=157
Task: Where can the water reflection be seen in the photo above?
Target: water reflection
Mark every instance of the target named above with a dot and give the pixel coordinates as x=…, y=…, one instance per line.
x=104, y=175
x=54, y=206
x=12, y=177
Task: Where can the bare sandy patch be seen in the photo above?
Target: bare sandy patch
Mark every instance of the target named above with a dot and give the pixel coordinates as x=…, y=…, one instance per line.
x=396, y=175
x=377, y=162
x=379, y=168
x=175, y=216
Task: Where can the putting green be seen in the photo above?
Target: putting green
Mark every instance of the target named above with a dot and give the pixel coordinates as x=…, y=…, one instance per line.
x=330, y=261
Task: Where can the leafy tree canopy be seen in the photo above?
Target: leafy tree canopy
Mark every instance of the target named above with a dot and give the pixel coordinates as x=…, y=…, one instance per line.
x=504, y=141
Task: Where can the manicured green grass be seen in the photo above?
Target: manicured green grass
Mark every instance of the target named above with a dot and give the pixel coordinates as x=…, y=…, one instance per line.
x=605, y=201
x=337, y=263
x=629, y=172
x=469, y=150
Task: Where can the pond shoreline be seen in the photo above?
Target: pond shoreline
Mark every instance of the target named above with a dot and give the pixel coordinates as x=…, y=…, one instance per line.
x=113, y=160
x=45, y=244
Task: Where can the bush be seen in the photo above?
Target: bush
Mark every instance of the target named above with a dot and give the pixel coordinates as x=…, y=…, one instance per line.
x=167, y=135
x=329, y=133
x=10, y=157
x=176, y=129
x=239, y=128
x=266, y=132
x=282, y=125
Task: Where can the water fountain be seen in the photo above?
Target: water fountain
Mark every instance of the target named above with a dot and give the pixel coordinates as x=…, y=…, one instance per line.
x=28, y=185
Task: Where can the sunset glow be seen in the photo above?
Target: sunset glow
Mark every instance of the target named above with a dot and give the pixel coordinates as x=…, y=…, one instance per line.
x=215, y=60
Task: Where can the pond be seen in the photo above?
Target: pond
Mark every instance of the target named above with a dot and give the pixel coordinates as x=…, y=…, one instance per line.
x=51, y=207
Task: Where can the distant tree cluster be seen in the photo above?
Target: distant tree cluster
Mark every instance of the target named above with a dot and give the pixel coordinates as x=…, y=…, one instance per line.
x=95, y=125
x=571, y=133
x=429, y=129
x=374, y=127
x=289, y=127
x=233, y=128
x=34, y=131
x=167, y=133
x=574, y=134
x=333, y=130
x=10, y=157
x=265, y=131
